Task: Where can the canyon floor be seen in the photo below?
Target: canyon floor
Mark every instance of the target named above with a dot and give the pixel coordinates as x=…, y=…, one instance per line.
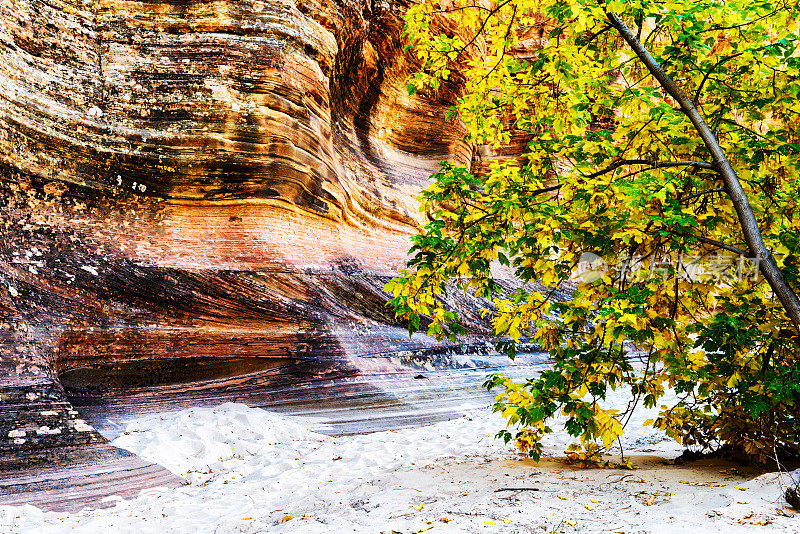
x=247, y=470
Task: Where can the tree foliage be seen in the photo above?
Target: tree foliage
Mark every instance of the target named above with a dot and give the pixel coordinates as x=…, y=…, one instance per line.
x=614, y=164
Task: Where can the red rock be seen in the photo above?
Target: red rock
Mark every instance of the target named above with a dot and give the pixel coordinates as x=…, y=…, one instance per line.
x=201, y=201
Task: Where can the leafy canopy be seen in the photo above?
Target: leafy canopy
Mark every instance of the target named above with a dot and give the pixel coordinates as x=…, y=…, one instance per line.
x=603, y=161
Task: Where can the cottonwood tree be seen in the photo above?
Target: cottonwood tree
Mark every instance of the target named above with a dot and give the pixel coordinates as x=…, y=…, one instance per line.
x=662, y=140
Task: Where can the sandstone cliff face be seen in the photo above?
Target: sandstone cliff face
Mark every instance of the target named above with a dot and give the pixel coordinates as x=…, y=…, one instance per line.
x=199, y=197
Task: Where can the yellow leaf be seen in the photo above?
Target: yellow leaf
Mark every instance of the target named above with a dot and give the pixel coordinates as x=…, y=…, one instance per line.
x=507, y=521
x=571, y=522
x=287, y=518
x=420, y=506
x=508, y=412
x=246, y=518
x=489, y=522
x=588, y=507
x=734, y=379
x=626, y=465
x=562, y=498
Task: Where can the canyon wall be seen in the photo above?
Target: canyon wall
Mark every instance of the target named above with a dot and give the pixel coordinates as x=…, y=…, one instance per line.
x=200, y=199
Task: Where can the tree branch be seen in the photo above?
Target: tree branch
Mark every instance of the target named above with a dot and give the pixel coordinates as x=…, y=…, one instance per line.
x=701, y=193
x=483, y=25
x=714, y=243
x=536, y=192
x=707, y=74
x=653, y=164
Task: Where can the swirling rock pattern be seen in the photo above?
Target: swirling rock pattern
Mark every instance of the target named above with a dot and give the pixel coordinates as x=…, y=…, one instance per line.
x=201, y=199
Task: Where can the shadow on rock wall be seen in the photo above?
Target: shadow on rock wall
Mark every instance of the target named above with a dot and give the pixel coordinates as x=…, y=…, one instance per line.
x=201, y=201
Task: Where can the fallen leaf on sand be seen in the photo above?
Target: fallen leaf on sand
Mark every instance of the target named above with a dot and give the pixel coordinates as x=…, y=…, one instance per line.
x=418, y=508
x=287, y=518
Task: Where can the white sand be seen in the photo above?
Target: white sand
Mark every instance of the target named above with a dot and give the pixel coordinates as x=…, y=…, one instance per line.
x=247, y=470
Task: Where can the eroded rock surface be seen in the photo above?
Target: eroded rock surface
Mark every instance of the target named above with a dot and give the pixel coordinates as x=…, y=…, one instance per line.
x=200, y=199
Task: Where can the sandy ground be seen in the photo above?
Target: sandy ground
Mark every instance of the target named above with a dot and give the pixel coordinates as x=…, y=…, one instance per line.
x=249, y=471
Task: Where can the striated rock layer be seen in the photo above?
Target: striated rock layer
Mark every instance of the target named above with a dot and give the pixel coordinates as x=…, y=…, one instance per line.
x=201, y=199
